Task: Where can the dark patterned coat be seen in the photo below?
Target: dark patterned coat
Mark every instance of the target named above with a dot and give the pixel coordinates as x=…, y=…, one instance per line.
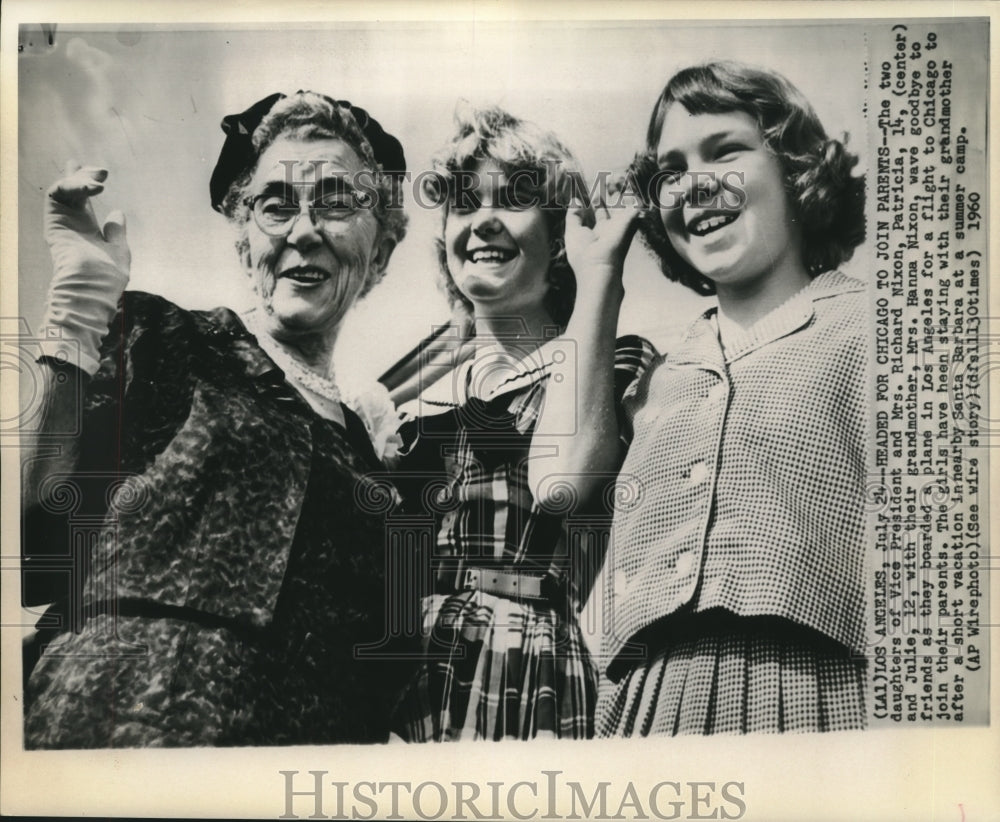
x=225, y=553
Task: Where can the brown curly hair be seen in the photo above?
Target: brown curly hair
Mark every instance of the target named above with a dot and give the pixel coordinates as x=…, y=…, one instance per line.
x=518, y=148
x=827, y=201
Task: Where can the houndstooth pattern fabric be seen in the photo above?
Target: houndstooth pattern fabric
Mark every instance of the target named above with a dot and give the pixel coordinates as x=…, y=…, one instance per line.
x=724, y=674
x=751, y=464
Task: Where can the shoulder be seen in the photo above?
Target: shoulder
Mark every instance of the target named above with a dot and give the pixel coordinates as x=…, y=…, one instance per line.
x=144, y=310
x=151, y=332
x=834, y=291
x=155, y=311
x=841, y=308
x=141, y=313
x=147, y=326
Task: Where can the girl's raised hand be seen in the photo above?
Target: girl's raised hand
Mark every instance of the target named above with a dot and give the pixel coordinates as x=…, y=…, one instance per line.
x=598, y=239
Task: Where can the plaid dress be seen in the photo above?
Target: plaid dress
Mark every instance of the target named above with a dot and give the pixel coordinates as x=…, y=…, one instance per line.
x=737, y=589
x=497, y=667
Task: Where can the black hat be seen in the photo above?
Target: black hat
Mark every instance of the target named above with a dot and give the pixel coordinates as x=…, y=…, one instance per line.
x=238, y=153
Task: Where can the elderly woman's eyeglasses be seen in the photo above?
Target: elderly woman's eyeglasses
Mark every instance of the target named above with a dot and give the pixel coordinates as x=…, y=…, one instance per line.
x=276, y=213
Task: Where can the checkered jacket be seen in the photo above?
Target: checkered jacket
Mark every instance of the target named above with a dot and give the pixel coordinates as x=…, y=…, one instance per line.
x=749, y=469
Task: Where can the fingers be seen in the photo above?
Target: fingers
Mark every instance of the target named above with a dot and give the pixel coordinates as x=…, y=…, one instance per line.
x=72, y=167
x=620, y=230
x=599, y=210
x=574, y=217
x=622, y=191
x=578, y=228
x=582, y=215
x=113, y=231
x=78, y=184
x=114, y=228
x=614, y=221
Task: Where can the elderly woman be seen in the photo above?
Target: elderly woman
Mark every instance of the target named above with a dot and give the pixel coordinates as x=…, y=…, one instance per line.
x=236, y=568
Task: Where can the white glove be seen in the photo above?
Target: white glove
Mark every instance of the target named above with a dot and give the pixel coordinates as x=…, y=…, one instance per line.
x=91, y=265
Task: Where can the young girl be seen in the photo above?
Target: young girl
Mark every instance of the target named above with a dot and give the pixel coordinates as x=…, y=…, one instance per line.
x=504, y=652
x=736, y=588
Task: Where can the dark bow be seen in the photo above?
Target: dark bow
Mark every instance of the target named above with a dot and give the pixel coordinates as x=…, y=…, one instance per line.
x=238, y=153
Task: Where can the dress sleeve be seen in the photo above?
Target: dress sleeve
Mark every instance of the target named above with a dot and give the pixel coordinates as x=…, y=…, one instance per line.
x=633, y=357
x=133, y=400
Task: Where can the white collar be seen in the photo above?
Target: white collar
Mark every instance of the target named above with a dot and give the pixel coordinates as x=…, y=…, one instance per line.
x=499, y=372
x=458, y=385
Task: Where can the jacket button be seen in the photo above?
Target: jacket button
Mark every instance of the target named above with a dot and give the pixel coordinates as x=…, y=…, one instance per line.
x=684, y=564
x=621, y=583
x=699, y=473
x=716, y=392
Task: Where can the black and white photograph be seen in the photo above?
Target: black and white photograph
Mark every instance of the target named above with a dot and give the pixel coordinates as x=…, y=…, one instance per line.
x=621, y=394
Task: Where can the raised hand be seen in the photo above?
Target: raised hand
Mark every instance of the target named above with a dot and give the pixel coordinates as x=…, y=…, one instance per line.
x=598, y=239
x=91, y=267
x=576, y=436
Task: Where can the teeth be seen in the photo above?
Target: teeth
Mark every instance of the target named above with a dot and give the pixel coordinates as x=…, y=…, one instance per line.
x=491, y=255
x=707, y=224
x=306, y=275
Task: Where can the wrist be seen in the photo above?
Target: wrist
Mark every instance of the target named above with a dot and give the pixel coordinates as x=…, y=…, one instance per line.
x=61, y=353
x=599, y=296
x=73, y=327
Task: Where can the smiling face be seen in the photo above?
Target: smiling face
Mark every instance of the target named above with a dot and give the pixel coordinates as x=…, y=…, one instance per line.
x=740, y=233
x=307, y=280
x=497, y=252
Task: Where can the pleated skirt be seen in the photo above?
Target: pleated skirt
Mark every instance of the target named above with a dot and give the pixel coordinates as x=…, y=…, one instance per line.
x=495, y=669
x=723, y=674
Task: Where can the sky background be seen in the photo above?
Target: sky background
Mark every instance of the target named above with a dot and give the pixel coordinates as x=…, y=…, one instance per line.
x=146, y=104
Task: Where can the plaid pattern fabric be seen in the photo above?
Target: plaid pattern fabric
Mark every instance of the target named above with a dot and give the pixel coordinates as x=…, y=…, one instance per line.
x=752, y=464
x=720, y=674
x=497, y=668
